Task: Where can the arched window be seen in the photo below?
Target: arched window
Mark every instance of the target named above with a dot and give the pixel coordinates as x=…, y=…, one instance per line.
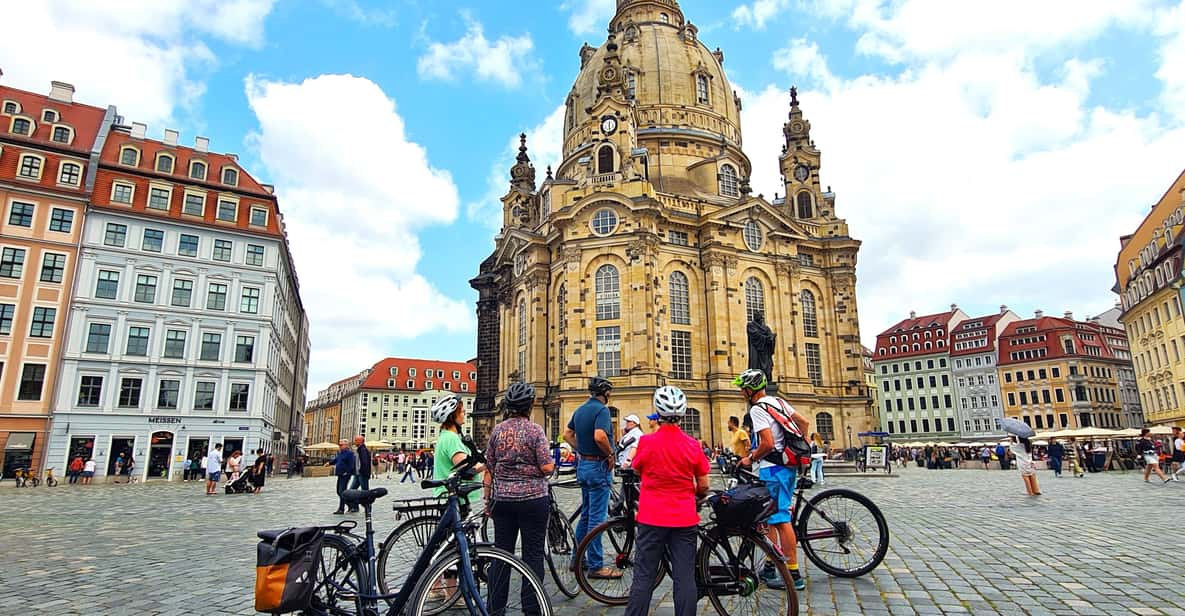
x=752, y=235
x=754, y=298
x=522, y=322
x=810, y=320
x=164, y=163
x=927, y=345
x=664, y=18
x=561, y=300
x=197, y=170
x=824, y=426
x=916, y=347
x=728, y=181
x=631, y=84
x=701, y=89
x=230, y=177
x=679, y=297
x=806, y=209
x=605, y=159
x=608, y=293
x=571, y=115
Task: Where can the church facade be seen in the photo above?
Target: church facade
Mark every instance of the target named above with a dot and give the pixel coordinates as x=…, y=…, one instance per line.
x=644, y=257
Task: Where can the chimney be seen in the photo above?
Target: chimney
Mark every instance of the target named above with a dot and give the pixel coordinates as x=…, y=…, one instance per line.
x=201, y=144
x=913, y=314
x=61, y=91
x=171, y=136
x=139, y=130
x=1069, y=315
x=233, y=156
x=1038, y=314
x=954, y=307
x=271, y=190
x=1003, y=308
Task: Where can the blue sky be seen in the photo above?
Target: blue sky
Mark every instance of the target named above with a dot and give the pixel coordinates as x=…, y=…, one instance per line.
x=984, y=159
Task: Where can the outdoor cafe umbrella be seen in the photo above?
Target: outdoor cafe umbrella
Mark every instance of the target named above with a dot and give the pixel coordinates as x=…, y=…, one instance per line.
x=322, y=446
x=1017, y=427
x=379, y=445
x=1093, y=432
x=1161, y=431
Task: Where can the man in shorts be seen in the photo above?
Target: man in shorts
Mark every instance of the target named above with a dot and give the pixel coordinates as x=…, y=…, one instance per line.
x=213, y=469
x=1178, y=442
x=769, y=439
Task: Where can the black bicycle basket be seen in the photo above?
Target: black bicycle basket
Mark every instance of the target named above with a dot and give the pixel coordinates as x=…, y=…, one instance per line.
x=743, y=506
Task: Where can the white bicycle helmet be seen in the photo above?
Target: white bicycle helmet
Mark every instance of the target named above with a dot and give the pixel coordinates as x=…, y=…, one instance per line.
x=445, y=407
x=670, y=401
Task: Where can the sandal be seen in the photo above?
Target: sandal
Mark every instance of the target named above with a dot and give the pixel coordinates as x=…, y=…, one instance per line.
x=605, y=573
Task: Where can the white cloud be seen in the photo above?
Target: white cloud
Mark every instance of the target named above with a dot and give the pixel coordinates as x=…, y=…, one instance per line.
x=971, y=177
x=145, y=57
x=545, y=142
x=504, y=61
x=353, y=201
x=1172, y=61
x=352, y=10
x=759, y=12
x=588, y=16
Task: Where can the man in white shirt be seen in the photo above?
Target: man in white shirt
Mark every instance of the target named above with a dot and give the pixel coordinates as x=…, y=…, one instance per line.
x=628, y=445
x=1178, y=453
x=213, y=469
x=769, y=441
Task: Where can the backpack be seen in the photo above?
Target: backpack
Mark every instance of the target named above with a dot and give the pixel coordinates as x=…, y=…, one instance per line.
x=796, y=449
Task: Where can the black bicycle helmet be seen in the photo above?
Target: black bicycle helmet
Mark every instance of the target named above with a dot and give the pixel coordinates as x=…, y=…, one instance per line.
x=520, y=396
x=599, y=386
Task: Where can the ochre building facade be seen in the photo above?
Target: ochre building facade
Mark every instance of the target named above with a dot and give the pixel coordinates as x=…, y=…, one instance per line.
x=644, y=255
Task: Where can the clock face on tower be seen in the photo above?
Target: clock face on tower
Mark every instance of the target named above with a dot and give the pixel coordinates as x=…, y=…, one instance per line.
x=608, y=125
x=801, y=173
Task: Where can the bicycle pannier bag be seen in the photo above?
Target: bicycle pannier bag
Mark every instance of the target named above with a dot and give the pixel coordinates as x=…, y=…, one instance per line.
x=743, y=506
x=286, y=569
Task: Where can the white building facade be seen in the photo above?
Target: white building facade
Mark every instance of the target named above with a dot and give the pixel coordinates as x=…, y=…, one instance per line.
x=974, y=347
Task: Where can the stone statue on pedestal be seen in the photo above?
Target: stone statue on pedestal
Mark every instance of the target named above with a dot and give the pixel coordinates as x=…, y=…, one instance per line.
x=761, y=348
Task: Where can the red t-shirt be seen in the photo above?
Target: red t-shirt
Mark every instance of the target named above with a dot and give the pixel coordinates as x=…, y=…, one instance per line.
x=668, y=461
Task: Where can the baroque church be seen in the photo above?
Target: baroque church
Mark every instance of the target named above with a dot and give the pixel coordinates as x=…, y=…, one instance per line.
x=644, y=256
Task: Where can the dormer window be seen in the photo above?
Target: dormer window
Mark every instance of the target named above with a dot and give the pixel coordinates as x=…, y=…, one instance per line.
x=62, y=134
x=129, y=156
x=164, y=163
x=728, y=181
x=230, y=177
x=664, y=18
x=49, y=115
x=11, y=107
x=197, y=170
x=21, y=126
x=701, y=89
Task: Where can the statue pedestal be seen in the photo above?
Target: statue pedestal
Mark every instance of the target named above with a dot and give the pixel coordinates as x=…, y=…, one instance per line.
x=771, y=388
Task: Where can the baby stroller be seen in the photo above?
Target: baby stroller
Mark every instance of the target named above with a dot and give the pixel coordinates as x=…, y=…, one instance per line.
x=242, y=485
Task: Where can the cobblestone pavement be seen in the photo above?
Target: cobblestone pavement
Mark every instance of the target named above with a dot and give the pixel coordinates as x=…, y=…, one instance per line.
x=965, y=541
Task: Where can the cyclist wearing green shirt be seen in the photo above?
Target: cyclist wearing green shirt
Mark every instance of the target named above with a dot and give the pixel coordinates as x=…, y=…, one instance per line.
x=450, y=450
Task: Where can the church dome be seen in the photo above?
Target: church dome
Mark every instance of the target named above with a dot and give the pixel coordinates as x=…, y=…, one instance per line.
x=677, y=85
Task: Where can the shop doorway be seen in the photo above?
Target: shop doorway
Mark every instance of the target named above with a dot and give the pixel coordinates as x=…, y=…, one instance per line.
x=160, y=455
x=81, y=447
x=119, y=444
x=18, y=452
x=229, y=447
x=195, y=452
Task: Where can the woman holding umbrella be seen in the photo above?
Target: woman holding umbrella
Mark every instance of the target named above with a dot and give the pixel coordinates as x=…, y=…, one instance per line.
x=1023, y=450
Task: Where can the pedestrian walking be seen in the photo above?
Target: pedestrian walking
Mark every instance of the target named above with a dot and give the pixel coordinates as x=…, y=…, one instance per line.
x=74, y=470
x=258, y=472
x=120, y=461
x=344, y=465
x=271, y=464
x=1002, y=456
x=1056, y=452
x=409, y=470
x=588, y=433
x=1146, y=447
x=1178, y=453
x=1022, y=448
x=213, y=465
x=818, y=454
x=673, y=476
x=362, y=459
x=518, y=464
x=88, y=471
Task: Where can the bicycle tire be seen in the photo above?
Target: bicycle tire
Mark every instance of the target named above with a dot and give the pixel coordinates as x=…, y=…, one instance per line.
x=399, y=551
x=35, y=481
x=619, y=553
x=561, y=547
x=831, y=514
x=337, y=565
x=53, y=483
x=750, y=555
x=482, y=557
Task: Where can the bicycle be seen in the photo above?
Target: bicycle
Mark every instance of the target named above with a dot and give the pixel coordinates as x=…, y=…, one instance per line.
x=461, y=572
x=561, y=541
x=50, y=480
x=728, y=566
x=25, y=478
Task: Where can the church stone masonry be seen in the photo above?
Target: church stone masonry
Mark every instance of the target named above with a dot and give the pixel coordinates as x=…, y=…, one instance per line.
x=643, y=256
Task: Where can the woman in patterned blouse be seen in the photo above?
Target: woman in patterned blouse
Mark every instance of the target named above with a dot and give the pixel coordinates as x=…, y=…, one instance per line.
x=518, y=464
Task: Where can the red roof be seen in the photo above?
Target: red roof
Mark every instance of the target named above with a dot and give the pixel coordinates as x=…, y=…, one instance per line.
x=404, y=379
x=85, y=120
x=927, y=333
x=250, y=193
x=982, y=330
x=1045, y=338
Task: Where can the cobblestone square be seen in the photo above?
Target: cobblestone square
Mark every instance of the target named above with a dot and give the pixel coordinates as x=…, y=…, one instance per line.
x=963, y=542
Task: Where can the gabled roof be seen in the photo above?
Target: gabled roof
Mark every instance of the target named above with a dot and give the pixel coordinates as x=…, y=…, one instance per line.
x=1044, y=337
x=84, y=119
x=380, y=375
x=931, y=331
x=986, y=326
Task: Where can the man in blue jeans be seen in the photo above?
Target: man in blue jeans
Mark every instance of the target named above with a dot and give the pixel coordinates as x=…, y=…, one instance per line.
x=589, y=433
x=344, y=466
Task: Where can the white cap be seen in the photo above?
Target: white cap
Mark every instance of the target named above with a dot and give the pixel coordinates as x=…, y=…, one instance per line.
x=633, y=418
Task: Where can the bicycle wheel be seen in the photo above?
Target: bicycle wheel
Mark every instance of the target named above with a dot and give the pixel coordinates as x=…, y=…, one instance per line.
x=843, y=533
x=337, y=580
x=561, y=545
x=728, y=571
x=400, y=550
x=35, y=481
x=500, y=578
x=617, y=540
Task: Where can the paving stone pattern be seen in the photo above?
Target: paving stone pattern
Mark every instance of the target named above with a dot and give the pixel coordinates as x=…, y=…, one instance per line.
x=963, y=542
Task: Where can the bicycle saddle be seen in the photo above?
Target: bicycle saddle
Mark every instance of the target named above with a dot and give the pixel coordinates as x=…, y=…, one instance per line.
x=363, y=497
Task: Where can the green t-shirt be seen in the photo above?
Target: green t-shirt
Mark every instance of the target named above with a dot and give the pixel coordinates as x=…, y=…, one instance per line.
x=448, y=445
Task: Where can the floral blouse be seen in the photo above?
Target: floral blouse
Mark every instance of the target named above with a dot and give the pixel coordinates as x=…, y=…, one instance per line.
x=516, y=449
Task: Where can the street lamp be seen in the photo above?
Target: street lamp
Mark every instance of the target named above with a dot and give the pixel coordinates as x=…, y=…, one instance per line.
x=849, y=437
